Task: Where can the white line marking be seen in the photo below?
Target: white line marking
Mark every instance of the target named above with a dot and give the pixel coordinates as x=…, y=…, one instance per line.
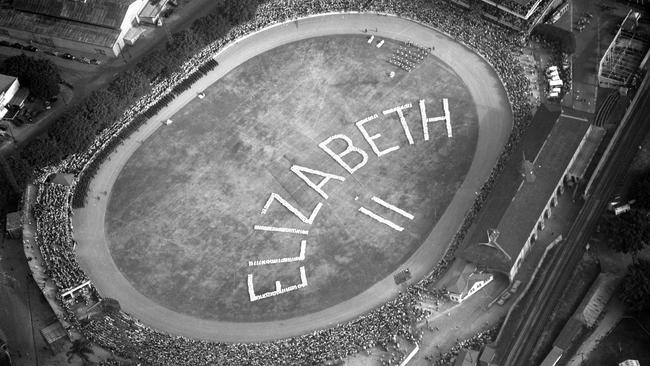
x=380, y=219
x=394, y=208
x=281, y=229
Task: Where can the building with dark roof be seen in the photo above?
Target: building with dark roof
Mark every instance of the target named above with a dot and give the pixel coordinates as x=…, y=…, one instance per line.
x=518, y=228
x=79, y=27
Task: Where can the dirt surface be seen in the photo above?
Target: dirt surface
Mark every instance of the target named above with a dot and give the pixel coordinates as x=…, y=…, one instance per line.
x=495, y=122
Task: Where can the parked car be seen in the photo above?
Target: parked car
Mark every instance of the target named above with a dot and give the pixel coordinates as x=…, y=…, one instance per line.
x=31, y=48
x=95, y=61
x=515, y=286
x=504, y=298
x=68, y=56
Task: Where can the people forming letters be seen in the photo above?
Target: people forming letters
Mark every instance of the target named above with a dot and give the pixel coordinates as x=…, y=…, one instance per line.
x=351, y=159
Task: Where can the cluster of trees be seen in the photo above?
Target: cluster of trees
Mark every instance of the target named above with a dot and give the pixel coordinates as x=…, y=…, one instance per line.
x=41, y=76
x=635, y=291
x=629, y=233
x=163, y=61
x=640, y=190
x=76, y=129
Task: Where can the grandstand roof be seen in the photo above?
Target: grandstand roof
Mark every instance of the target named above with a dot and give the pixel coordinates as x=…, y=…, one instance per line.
x=530, y=200
x=57, y=28
x=105, y=13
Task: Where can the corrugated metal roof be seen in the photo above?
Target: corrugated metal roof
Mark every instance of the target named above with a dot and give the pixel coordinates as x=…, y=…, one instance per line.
x=57, y=28
x=105, y=13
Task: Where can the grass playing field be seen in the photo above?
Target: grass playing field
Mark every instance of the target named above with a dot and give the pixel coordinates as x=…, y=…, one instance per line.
x=181, y=214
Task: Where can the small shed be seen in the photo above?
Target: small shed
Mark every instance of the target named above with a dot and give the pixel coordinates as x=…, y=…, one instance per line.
x=54, y=335
x=19, y=98
x=14, y=225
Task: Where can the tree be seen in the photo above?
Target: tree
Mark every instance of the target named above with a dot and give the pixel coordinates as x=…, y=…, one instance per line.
x=239, y=11
x=80, y=348
x=41, y=151
x=640, y=190
x=211, y=26
x=130, y=85
x=635, y=289
x=627, y=233
x=41, y=76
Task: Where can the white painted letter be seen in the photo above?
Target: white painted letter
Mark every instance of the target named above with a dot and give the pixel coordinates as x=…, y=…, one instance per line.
x=339, y=157
x=300, y=257
x=278, y=287
x=300, y=171
x=425, y=120
x=307, y=220
x=383, y=220
x=402, y=120
x=371, y=139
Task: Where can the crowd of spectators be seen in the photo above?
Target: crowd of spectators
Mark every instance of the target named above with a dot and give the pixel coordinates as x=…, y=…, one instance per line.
x=54, y=236
x=126, y=336
x=474, y=342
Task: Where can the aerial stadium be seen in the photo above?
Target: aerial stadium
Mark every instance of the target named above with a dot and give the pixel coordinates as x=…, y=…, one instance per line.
x=256, y=207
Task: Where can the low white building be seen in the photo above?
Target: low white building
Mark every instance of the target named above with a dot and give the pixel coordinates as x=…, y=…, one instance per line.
x=469, y=282
x=8, y=88
x=629, y=363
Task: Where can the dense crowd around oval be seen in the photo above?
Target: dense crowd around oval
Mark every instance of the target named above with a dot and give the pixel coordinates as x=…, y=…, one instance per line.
x=377, y=328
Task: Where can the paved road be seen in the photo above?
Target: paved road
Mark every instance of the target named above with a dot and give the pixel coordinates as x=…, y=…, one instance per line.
x=495, y=124
x=566, y=259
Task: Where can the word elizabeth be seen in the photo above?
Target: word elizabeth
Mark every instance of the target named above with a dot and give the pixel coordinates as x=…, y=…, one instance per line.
x=325, y=177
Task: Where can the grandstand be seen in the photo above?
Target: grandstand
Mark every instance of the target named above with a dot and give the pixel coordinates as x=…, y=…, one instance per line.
x=532, y=205
x=124, y=334
x=521, y=15
x=625, y=54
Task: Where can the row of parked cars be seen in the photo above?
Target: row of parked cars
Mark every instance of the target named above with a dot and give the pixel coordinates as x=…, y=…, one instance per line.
x=66, y=56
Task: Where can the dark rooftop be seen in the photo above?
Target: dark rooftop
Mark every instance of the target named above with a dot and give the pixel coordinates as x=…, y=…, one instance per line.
x=105, y=13
x=47, y=26
x=530, y=200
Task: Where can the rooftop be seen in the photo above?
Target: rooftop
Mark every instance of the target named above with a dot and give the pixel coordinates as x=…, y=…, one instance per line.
x=467, y=278
x=105, y=13
x=6, y=81
x=65, y=29
x=530, y=200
